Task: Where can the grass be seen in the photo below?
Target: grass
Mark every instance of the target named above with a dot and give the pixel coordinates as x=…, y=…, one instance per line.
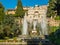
x=2, y=40
x=53, y=28
x=10, y=40
x=57, y=18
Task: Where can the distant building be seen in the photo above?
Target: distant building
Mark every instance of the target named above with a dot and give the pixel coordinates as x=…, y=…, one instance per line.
x=10, y=11
x=29, y=9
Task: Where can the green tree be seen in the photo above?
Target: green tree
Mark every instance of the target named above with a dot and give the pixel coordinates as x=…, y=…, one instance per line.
x=51, y=8
x=1, y=19
x=55, y=36
x=11, y=26
x=2, y=13
x=7, y=25
x=58, y=7
x=19, y=10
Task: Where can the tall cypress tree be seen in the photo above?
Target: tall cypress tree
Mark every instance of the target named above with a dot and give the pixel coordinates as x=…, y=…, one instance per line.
x=2, y=13
x=19, y=10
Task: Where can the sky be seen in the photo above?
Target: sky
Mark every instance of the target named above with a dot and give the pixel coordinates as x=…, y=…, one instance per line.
x=12, y=3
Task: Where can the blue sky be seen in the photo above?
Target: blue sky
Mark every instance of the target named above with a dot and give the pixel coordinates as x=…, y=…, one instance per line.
x=12, y=3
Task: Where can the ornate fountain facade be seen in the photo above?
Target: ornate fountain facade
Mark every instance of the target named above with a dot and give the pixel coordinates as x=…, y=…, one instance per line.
x=35, y=22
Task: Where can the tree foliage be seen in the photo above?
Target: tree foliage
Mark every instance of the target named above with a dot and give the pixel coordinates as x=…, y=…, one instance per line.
x=54, y=37
x=51, y=8
x=9, y=25
x=19, y=10
x=58, y=7
x=2, y=13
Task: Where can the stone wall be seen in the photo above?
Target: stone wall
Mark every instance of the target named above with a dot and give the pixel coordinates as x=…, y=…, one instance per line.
x=53, y=22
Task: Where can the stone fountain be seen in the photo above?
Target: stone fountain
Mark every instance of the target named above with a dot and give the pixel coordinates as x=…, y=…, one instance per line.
x=33, y=36
x=43, y=25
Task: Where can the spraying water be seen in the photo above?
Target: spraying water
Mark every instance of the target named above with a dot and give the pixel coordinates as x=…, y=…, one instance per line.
x=43, y=24
x=34, y=24
x=25, y=26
